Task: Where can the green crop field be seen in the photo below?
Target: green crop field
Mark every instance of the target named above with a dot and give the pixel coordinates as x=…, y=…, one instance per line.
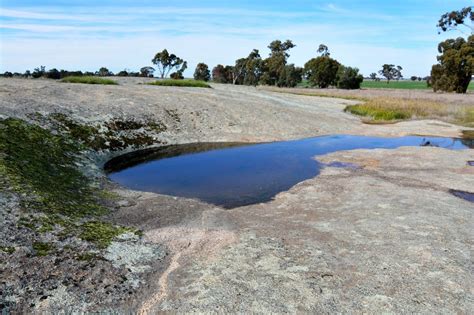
x=405, y=85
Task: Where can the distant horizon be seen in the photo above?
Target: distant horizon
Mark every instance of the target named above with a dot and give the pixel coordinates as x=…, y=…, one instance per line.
x=125, y=34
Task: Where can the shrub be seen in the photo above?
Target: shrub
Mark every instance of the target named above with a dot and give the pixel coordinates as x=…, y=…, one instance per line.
x=122, y=73
x=177, y=76
x=348, y=78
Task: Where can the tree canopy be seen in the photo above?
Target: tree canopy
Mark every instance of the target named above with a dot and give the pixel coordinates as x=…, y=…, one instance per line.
x=321, y=71
x=451, y=20
x=391, y=72
x=455, y=65
x=274, y=65
x=323, y=50
x=348, y=78
x=166, y=62
x=202, y=72
x=147, y=71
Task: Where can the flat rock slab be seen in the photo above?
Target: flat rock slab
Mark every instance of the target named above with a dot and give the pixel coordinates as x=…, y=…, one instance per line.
x=385, y=237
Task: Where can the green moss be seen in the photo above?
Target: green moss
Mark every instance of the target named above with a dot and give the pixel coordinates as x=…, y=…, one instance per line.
x=27, y=223
x=41, y=167
x=377, y=113
x=38, y=163
x=185, y=83
x=42, y=249
x=101, y=233
x=8, y=249
x=89, y=80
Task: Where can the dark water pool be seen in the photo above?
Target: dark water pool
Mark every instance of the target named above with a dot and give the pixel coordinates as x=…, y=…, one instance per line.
x=232, y=174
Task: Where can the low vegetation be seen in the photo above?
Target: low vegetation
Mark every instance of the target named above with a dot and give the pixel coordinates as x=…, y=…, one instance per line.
x=183, y=83
x=393, y=109
x=101, y=233
x=89, y=80
x=41, y=167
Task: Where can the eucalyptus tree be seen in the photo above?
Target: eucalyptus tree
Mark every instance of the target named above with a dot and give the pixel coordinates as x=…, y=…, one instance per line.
x=166, y=62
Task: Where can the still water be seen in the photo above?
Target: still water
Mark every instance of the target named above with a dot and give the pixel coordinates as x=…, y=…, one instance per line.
x=232, y=174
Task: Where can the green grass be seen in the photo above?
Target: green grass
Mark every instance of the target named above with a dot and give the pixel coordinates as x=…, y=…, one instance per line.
x=386, y=109
x=89, y=80
x=186, y=83
x=377, y=114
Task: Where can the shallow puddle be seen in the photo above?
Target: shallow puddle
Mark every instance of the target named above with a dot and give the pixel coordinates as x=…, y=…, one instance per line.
x=232, y=174
x=463, y=194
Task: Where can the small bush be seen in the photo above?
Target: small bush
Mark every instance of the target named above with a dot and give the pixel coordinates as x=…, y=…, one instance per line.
x=89, y=80
x=186, y=83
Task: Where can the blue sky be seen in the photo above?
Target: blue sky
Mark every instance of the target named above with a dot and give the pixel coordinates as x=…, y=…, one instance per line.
x=125, y=34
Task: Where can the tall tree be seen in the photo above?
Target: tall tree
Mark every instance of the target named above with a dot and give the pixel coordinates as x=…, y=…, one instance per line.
x=391, y=72
x=321, y=71
x=348, y=78
x=274, y=65
x=291, y=76
x=248, y=70
x=220, y=74
x=202, y=72
x=451, y=20
x=455, y=65
x=166, y=62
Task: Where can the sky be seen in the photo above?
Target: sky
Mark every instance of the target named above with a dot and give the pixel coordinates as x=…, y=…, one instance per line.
x=126, y=34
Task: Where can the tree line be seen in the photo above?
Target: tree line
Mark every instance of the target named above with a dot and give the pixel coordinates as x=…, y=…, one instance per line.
x=452, y=73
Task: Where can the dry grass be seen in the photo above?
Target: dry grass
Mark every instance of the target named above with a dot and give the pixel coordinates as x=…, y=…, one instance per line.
x=395, y=109
x=378, y=109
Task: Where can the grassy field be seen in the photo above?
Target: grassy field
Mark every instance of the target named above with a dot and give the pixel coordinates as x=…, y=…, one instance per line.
x=404, y=85
x=379, y=110
x=186, y=83
x=89, y=80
